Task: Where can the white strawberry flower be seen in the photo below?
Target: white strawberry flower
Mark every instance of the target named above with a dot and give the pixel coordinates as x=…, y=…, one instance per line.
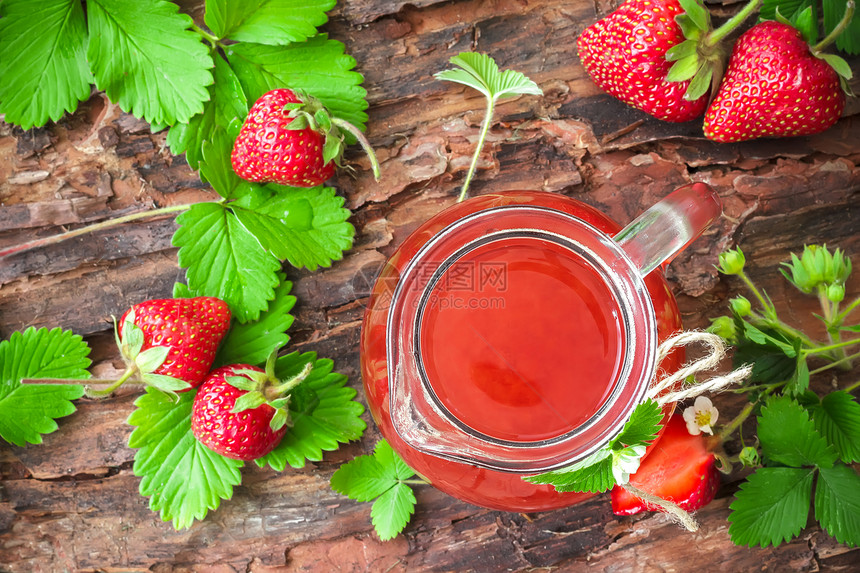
x=701, y=416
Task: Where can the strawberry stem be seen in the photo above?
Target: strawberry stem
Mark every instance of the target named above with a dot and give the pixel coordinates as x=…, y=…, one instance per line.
x=109, y=390
x=837, y=31
x=45, y=241
x=274, y=392
x=485, y=128
x=362, y=140
x=728, y=27
x=213, y=40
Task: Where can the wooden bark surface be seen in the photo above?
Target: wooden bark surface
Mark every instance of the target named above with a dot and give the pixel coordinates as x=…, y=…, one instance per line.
x=71, y=504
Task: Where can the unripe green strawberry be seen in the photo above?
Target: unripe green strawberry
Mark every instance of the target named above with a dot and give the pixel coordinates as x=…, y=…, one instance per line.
x=171, y=343
x=774, y=87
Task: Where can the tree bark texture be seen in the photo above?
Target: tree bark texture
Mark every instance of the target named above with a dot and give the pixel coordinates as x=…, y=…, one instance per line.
x=72, y=503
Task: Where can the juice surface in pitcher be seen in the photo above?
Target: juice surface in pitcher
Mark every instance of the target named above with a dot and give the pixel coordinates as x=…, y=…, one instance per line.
x=526, y=351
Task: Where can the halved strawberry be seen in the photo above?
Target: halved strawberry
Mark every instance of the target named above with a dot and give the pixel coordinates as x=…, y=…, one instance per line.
x=679, y=468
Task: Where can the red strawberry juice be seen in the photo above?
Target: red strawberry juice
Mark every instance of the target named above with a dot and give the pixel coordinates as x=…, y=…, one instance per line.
x=519, y=340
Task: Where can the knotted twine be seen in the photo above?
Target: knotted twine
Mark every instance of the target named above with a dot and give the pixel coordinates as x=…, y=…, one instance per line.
x=717, y=351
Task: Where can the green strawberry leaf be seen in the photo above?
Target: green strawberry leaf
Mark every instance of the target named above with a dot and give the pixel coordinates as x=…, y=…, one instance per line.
x=28, y=410
x=224, y=260
x=799, y=381
x=183, y=478
x=277, y=22
x=837, y=418
x=318, y=67
x=787, y=8
x=806, y=22
x=306, y=227
x=253, y=342
x=480, y=72
x=322, y=411
x=593, y=474
x=837, y=503
x=42, y=60
x=643, y=426
x=216, y=167
x=788, y=436
x=392, y=511
x=381, y=475
x=362, y=479
x=772, y=506
x=226, y=109
x=145, y=58
x=849, y=40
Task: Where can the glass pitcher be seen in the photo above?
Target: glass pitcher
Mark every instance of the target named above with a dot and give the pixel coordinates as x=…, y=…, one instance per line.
x=514, y=333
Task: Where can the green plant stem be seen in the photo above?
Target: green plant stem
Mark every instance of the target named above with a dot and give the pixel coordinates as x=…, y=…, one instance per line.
x=213, y=40
x=780, y=326
x=54, y=239
x=732, y=426
x=735, y=424
x=847, y=310
x=830, y=312
x=415, y=482
x=107, y=391
x=485, y=128
x=362, y=140
x=837, y=31
x=852, y=387
x=839, y=362
x=830, y=347
x=768, y=309
x=729, y=25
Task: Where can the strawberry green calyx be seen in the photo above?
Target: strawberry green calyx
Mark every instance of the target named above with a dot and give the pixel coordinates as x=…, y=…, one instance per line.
x=701, y=57
x=141, y=365
x=265, y=388
x=312, y=114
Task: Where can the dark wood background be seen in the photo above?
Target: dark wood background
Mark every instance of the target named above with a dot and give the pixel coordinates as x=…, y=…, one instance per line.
x=71, y=504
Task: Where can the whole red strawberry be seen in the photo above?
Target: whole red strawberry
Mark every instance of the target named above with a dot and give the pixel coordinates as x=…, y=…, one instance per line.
x=680, y=469
x=240, y=411
x=289, y=138
x=268, y=150
x=625, y=55
x=171, y=343
x=774, y=87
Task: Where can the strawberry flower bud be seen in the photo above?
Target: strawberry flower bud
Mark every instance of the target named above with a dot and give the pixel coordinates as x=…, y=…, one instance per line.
x=732, y=262
x=817, y=266
x=835, y=292
x=701, y=416
x=740, y=306
x=749, y=457
x=725, y=328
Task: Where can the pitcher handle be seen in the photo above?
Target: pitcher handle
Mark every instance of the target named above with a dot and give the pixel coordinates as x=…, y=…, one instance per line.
x=664, y=230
